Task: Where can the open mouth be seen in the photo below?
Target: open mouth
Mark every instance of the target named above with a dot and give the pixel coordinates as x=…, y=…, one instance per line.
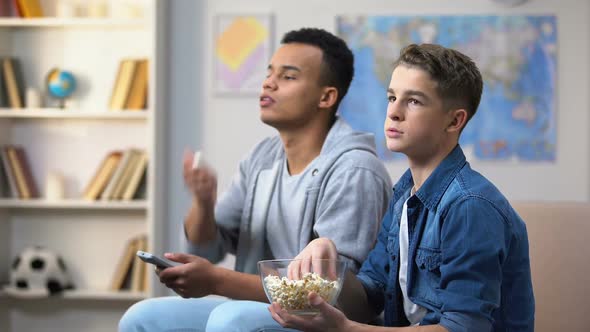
x=266, y=101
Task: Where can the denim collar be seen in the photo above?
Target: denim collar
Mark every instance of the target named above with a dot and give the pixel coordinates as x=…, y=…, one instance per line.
x=436, y=184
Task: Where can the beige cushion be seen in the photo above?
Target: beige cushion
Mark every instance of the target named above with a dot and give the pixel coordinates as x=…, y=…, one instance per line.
x=559, y=238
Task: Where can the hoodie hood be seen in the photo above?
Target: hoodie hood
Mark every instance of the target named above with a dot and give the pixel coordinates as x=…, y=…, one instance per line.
x=342, y=138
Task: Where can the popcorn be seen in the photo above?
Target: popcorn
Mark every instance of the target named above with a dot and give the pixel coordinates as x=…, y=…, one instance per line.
x=292, y=294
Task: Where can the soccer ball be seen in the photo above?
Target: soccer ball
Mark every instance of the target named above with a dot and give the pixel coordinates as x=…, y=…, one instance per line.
x=38, y=272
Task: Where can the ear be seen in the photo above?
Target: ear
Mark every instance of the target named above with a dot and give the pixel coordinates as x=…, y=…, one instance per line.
x=328, y=97
x=457, y=120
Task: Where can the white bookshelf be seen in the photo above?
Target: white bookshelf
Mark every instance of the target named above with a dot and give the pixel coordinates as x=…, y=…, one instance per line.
x=89, y=235
x=57, y=113
x=73, y=204
x=92, y=295
x=103, y=23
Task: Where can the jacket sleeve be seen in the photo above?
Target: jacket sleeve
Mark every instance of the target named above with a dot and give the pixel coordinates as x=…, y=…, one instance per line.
x=474, y=244
x=228, y=213
x=373, y=273
x=350, y=209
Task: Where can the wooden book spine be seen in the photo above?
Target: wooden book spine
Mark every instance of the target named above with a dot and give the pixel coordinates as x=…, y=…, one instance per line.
x=102, y=176
x=124, y=266
x=9, y=172
x=3, y=88
x=135, y=178
x=137, y=99
x=21, y=183
x=28, y=173
x=12, y=77
x=122, y=84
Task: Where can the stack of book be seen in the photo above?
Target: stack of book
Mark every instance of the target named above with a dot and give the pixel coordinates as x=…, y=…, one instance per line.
x=21, y=8
x=16, y=178
x=131, y=85
x=130, y=272
x=120, y=176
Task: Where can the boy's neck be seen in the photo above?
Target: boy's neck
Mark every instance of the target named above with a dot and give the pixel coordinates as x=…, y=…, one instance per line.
x=422, y=168
x=303, y=145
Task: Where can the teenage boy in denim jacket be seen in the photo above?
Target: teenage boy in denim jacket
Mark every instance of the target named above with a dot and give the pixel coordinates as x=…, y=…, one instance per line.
x=452, y=254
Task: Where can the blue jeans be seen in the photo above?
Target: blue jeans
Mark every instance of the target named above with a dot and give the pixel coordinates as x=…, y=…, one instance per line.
x=207, y=314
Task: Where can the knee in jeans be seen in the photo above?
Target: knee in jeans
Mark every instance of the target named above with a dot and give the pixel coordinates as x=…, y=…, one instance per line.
x=136, y=317
x=224, y=317
x=236, y=316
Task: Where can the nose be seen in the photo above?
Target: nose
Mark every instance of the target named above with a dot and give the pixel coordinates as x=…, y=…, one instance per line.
x=395, y=111
x=269, y=83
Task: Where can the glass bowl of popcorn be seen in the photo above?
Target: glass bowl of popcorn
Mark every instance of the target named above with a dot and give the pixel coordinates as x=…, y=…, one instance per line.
x=289, y=281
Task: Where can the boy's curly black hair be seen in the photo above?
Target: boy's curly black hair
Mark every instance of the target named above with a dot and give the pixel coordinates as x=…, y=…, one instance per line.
x=338, y=60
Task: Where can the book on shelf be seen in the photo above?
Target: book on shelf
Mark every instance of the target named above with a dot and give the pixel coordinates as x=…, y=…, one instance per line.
x=122, y=275
x=137, y=99
x=23, y=162
x=128, y=169
x=145, y=283
x=136, y=177
x=141, y=191
x=124, y=182
x=5, y=9
x=122, y=86
x=3, y=91
x=113, y=182
x=130, y=270
x=30, y=8
x=130, y=88
x=18, y=171
x=103, y=174
x=139, y=267
x=11, y=190
x=14, y=8
x=19, y=175
x=13, y=82
x=5, y=189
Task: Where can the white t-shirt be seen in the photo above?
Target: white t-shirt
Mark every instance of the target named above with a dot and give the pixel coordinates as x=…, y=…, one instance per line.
x=414, y=312
x=284, y=211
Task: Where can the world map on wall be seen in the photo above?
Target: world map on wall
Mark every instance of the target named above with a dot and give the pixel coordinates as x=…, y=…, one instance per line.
x=517, y=56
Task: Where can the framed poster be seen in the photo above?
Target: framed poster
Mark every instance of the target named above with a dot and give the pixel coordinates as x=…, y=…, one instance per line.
x=242, y=49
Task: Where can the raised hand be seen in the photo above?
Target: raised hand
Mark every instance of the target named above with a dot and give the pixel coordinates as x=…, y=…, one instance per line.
x=200, y=180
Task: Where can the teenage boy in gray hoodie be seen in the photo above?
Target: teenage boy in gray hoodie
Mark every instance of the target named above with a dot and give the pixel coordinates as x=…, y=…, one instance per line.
x=317, y=178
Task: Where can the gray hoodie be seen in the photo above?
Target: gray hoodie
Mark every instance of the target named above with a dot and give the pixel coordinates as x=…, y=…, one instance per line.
x=345, y=202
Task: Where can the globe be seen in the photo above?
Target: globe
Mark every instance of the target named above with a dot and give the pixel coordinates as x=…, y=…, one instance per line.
x=60, y=83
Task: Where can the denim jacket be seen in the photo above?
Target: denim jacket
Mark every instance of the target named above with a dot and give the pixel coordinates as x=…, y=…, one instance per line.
x=468, y=259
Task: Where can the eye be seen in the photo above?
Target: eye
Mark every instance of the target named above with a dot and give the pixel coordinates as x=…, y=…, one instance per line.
x=289, y=77
x=413, y=101
x=391, y=99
